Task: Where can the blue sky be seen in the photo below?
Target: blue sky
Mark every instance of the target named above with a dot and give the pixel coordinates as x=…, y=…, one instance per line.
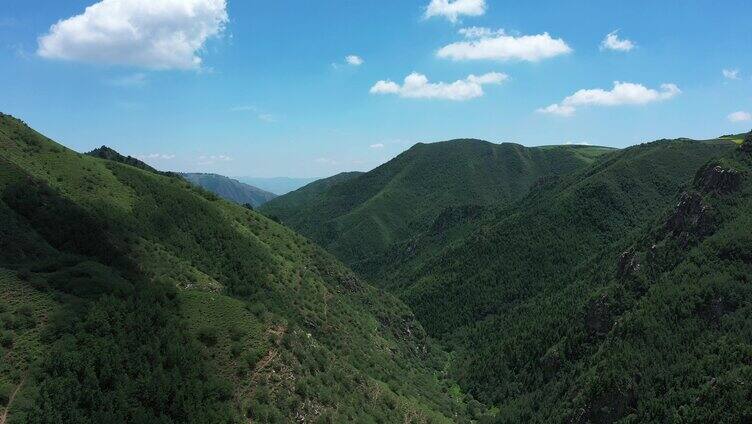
x=274, y=95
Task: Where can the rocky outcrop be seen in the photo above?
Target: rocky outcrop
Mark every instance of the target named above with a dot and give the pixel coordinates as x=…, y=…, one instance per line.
x=629, y=264
x=715, y=179
x=691, y=219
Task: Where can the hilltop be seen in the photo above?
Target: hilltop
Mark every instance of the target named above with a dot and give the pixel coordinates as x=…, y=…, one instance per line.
x=359, y=216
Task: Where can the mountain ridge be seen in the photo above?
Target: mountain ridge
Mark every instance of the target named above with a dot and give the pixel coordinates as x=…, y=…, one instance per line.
x=230, y=189
x=362, y=216
x=203, y=311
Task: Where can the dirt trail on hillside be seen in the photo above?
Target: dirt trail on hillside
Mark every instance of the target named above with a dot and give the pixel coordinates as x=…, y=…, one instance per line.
x=4, y=417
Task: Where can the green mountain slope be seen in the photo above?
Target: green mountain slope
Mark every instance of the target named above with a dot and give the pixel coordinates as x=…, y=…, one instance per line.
x=362, y=216
x=531, y=297
x=129, y=296
x=230, y=189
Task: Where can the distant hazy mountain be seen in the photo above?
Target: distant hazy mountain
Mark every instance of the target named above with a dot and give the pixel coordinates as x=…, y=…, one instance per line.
x=277, y=185
x=229, y=189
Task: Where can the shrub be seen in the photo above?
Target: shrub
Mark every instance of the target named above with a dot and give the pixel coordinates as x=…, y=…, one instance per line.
x=6, y=339
x=208, y=336
x=251, y=358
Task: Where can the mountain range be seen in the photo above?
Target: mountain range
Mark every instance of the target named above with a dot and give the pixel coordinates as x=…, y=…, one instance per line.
x=277, y=185
x=578, y=297
x=229, y=189
x=462, y=281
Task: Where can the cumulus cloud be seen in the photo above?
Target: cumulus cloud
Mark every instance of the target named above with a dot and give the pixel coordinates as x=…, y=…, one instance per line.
x=623, y=93
x=613, y=42
x=354, y=60
x=732, y=74
x=453, y=9
x=153, y=34
x=484, y=43
x=740, y=116
x=417, y=86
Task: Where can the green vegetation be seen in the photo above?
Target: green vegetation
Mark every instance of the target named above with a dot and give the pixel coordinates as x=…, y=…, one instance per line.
x=568, y=284
x=230, y=189
x=615, y=292
x=133, y=296
x=359, y=216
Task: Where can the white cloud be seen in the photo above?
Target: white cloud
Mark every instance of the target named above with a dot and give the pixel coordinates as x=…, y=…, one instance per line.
x=613, y=42
x=732, y=74
x=480, y=32
x=453, y=9
x=485, y=43
x=377, y=146
x=740, y=116
x=154, y=34
x=561, y=110
x=354, y=60
x=417, y=86
x=576, y=143
x=623, y=93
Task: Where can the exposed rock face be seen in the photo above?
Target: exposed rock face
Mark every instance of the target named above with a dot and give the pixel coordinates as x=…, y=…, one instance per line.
x=629, y=264
x=691, y=219
x=717, y=180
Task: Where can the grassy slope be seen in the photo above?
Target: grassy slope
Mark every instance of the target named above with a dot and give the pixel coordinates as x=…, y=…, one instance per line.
x=230, y=189
x=518, y=294
x=359, y=218
x=289, y=330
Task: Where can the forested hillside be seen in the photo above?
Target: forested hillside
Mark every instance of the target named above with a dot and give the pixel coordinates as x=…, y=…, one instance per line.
x=618, y=292
x=229, y=189
x=130, y=296
x=358, y=217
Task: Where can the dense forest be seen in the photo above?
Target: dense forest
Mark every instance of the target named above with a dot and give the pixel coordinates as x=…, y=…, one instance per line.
x=357, y=216
x=133, y=296
x=615, y=292
x=553, y=284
